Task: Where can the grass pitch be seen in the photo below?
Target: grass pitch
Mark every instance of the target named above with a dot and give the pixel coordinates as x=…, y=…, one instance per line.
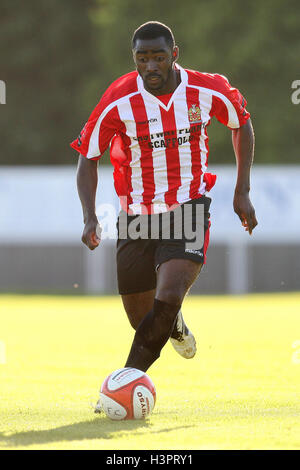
x=241, y=391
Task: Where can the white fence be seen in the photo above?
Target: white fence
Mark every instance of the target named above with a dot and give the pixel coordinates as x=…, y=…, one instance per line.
x=40, y=205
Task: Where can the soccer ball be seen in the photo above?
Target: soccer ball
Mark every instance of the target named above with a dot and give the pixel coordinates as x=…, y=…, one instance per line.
x=127, y=393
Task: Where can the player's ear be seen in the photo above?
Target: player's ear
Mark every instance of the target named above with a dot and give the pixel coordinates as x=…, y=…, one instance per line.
x=175, y=53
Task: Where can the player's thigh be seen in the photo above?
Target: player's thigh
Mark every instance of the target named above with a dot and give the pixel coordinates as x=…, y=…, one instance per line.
x=135, y=266
x=178, y=265
x=174, y=279
x=138, y=305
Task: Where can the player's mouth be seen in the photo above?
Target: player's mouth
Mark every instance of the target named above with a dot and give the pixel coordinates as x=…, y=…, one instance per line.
x=153, y=79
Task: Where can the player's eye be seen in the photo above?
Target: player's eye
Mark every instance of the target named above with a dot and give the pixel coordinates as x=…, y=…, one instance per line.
x=160, y=58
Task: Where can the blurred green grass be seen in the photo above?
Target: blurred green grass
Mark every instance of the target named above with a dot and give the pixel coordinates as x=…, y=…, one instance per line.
x=241, y=391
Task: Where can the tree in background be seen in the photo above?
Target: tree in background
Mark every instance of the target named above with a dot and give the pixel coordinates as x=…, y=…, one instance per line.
x=61, y=56
x=48, y=62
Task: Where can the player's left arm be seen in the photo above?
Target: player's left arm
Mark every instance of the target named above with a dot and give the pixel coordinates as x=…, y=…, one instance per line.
x=243, y=144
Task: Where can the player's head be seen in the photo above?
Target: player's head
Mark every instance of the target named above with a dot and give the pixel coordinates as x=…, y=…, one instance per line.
x=153, y=30
x=154, y=53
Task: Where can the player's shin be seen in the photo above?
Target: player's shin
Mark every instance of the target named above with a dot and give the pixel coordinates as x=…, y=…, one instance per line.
x=152, y=334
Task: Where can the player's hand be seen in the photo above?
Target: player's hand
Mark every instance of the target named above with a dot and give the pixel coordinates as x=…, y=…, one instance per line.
x=91, y=234
x=245, y=210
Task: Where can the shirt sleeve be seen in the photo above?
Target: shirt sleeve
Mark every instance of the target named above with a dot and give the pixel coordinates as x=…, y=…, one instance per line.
x=95, y=137
x=229, y=105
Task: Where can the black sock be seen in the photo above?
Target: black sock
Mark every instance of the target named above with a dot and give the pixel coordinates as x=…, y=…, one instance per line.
x=175, y=334
x=152, y=334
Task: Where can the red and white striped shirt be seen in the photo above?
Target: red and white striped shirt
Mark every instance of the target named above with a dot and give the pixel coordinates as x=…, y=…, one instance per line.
x=160, y=151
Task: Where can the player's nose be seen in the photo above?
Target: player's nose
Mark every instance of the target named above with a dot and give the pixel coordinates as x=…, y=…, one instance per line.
x=151, y=66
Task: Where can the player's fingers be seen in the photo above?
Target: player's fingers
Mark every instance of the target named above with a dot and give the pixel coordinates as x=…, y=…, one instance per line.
x=254, y=220
x=247, y=226
x=91, y=246
x=251, y=222
x=90, y=240
x=240, y=215
x=243, y=218
x=95, y=239
x=92, y=243
x=239, y=212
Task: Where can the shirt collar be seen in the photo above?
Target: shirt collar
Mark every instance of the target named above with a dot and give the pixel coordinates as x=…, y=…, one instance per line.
x=183, y=83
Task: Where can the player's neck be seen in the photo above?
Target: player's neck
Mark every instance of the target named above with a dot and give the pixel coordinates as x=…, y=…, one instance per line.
x=170, y=86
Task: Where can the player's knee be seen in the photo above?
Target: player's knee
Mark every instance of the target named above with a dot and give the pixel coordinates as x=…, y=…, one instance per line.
x=172, y=296
x=133, y=322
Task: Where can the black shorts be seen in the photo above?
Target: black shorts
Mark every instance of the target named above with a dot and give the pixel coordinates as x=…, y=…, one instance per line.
x=138, y=259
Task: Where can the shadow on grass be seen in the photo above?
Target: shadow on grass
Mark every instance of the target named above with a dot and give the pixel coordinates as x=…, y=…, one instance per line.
x=99, y=428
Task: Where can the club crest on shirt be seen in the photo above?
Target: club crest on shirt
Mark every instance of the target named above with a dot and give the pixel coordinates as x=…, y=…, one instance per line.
x=194, y=113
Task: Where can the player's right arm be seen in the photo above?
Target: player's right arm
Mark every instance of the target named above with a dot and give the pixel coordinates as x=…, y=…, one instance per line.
x=91, y=144
x=87, y=180
x=94, y=139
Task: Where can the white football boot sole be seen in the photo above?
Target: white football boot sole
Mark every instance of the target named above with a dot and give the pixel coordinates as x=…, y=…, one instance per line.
x=185, y=343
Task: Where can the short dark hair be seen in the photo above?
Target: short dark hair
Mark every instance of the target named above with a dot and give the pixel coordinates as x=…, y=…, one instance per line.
x=153, y=30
